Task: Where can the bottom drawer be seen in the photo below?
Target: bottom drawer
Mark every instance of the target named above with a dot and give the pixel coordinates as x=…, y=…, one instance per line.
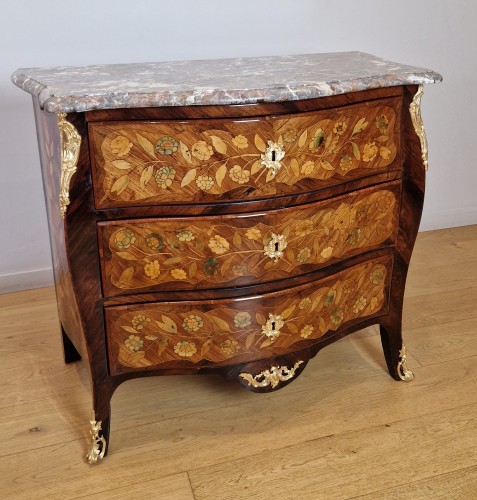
x=231, y=331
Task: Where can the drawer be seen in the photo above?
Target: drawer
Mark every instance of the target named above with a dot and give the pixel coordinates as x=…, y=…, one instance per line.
x=138, y=163
x=209, y=252
x=161, y=335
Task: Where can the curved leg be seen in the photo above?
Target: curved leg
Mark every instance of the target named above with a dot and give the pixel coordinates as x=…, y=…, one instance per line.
x=395, y=351
x=99, y=424
x=70, y=354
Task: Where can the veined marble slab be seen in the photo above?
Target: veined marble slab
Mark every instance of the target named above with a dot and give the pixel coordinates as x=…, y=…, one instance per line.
x=66, y=89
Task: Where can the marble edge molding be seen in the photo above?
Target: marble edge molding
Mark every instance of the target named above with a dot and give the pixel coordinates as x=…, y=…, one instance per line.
x=54, y=99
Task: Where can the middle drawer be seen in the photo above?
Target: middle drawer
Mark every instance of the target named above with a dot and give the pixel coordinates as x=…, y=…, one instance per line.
x=192, y=253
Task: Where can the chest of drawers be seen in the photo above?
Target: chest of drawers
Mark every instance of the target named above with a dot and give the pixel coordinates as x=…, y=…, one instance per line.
x=229, y=217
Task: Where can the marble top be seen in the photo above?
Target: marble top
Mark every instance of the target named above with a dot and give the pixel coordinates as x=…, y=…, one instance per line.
x=66, y=89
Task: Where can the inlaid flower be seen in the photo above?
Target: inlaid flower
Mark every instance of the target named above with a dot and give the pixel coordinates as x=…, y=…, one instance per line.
x=306, y=331
x=290, y=135
x=154, y=241
x=384, y=152
x=210, y=266
x=239, y=174
x=317, y=139
x=346, y=163
x=370, y=150
x=303, y=255
x=308, y=167
x=304, y=303
x=382, y=123
x=124, y=239
x=242, y=319
x=240, y=141
x=253, y=234
x=340, y=128
x=140, y=321
x=152, y=269
x=355, y=236
x=330, y=297
x=202, y=151
x=134, y=343
x=343, y=217
x=204, y=182
x=373, y=303
x=120, y=146
x=304, y=227
x=230, y=347
x=192, y=323
x=360, y=304
x=349, y=286
x=164, y=176
x=384, y=202
x=362, y=213
x=337, y=316
x=377, y=275
x=239, y=269
x=218, y=244
x=185, y=349
x=179, y=274
x=167, y=145
x=185, y=235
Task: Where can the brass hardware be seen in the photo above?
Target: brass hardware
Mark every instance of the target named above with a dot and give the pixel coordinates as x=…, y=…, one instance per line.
x=274, y=248
x=273, y=156
x=98, y=443
x=415, y=110
x=402, y=369
x=273, y=376
x=70, y=142
x=273, y=325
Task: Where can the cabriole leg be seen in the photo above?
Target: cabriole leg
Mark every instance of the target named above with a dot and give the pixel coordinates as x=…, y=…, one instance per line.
x=395, y=352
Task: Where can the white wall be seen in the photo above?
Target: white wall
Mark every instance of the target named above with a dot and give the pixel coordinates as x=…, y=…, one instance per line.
x=440, y=34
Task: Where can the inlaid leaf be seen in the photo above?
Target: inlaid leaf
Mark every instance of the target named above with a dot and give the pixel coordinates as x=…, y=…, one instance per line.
x=219, y=144
x=326, y=165
x=360, y=126
x=288, y=311
x=328, y=141
x=193, y=269
x=280, y=139
x=126, y=277
x=249, y=340
x=146, y=145
x=129, y=329
x=151, y=337
x=126, y=256
x=120, y=184
x=259, y=143
x=146, y=175
x=189, y=177
x=206, y=347
x=302, y=139
x=161, y=347
x=322, y=325
x=237, y=240
x=136, y=357
x=185, y=152
x=221, y=323
x=292, y=327
x=220, y=174
x=257, y=165
x=268, y=265
x=260, y=319
x=382, y=138
x=356, y=152
x=226, y=265
x=295, y=168
x=290, y=255
x=167, y=324
x=270, y=176
x=122, y=164
x=172, y=260
x=267, y=343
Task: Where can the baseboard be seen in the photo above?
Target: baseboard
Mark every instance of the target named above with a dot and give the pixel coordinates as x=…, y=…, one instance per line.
x=448, y=218
x=25, y=280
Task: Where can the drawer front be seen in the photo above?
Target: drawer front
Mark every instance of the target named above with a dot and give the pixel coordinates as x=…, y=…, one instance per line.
x=160, y=335
x=220, y=251
x=202, y=161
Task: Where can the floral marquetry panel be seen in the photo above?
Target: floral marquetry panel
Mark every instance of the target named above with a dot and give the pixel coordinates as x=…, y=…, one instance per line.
x=211, y=252
x=142, y=163
x=232, y=331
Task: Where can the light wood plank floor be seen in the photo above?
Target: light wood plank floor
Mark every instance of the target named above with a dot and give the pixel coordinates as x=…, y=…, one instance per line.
x=343, y=430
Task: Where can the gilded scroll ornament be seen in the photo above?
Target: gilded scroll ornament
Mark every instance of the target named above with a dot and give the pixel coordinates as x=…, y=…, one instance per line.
x=98, y=443
x=272, y=327
x=272, y=377
x=273, y=156
x=415, y=110
x=70, y=142
x=402, y=369
x=274, y=248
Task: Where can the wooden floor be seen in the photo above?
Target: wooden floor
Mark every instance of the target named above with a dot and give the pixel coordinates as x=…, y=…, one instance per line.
x=343, y=430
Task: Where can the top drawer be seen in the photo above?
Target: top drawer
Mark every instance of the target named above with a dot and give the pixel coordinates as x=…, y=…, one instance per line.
x=139, y=163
